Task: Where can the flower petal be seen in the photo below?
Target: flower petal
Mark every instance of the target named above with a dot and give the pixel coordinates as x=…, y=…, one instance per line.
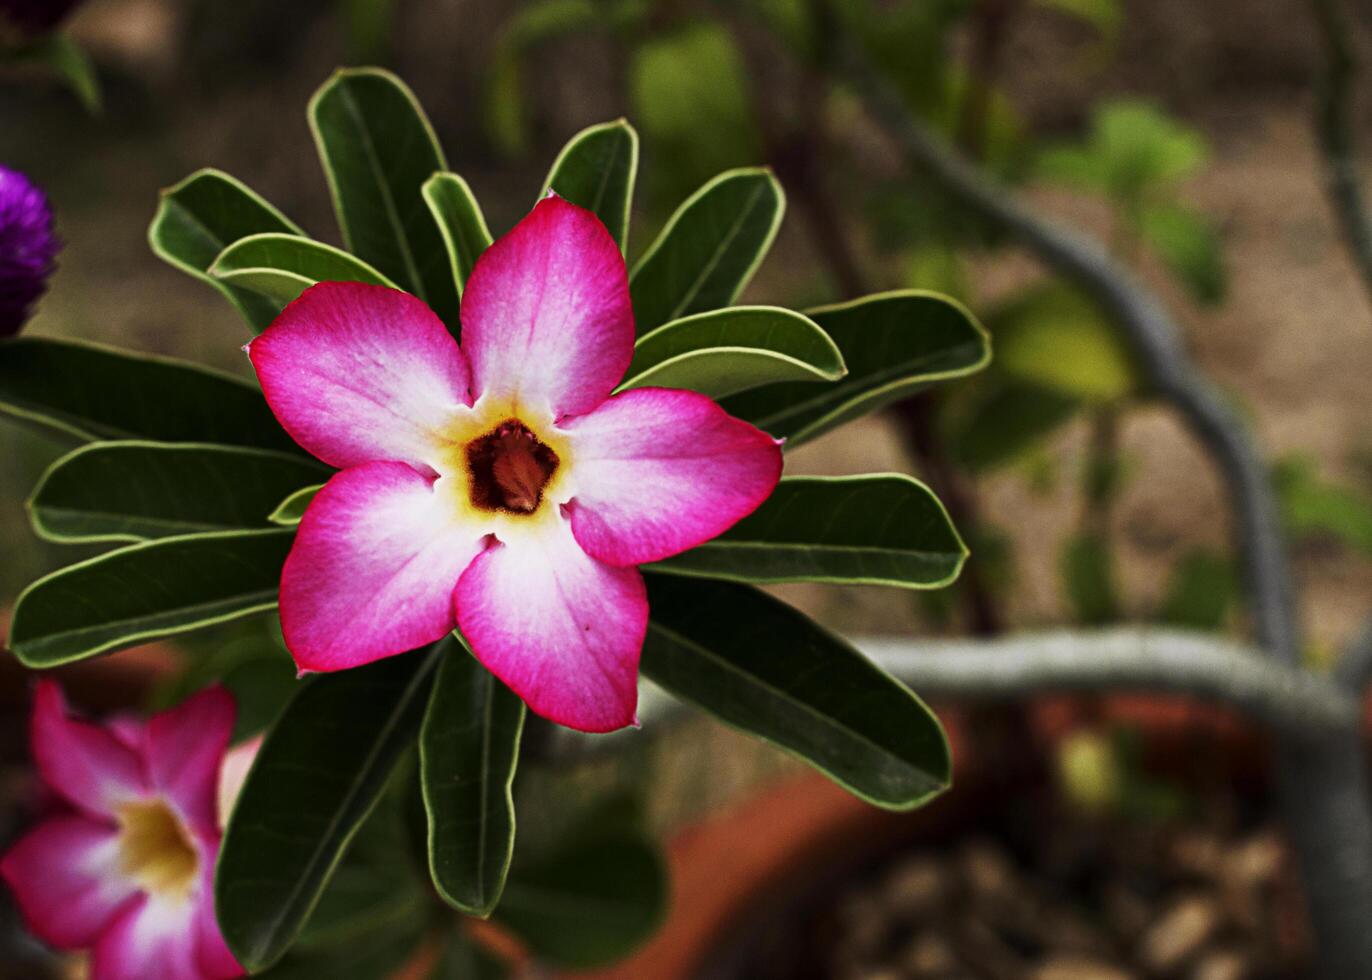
x=185, y=748
x=150, y=938
x=563, y=630
x=659, y=471
x=546, y=318
x=357, y=372
x=65, y=875
x=234, y=773
x=89, y=767
x=372, y=569
x=212, y=954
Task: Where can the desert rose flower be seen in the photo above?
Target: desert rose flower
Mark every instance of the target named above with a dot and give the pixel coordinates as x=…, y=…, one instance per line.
x=125, y=867
x=30, y=18
x=499, y=487
x=28, y=248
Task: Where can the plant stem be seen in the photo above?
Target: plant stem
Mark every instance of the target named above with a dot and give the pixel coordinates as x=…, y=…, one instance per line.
x=1335, y=124
x=1122, y=658
x=1324, y=790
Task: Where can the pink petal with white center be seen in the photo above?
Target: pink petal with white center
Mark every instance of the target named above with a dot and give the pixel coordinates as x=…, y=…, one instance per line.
x=356, y=373
x=65, y=875
x=659, y=471
x=372, y=569
x=152, y=937
x=546, y=317
x=185, y=746
x=563, y=630
x=87, y=765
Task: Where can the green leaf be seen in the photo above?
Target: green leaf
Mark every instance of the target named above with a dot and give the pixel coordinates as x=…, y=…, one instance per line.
x=731, y=350
x=205, y=214
x=690, y=91
x=590, y=901
x=282, y=267
x=878, y=529
x=1188, y=244
x=322, y=769
x=1054, y=337
x=460, y=223
x=135, y=491
x=378, y=150
x=289, y=512
x=763, y=667
x=1312, y=505
x=1088, y=572
x=1200, y=591
x=65, y=58
x=463, y=959
x=709, y=249
x=87, y=392
x=894, y=345
x=468, y=749
x=1005, y=422
x=596, y=170
x=147, y=591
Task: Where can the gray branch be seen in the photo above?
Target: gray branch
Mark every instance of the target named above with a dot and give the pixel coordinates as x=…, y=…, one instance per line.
x=1325, y=795
x=1335, y=124
x=1129, y=658
x=1144, y=324
x=1354, y=668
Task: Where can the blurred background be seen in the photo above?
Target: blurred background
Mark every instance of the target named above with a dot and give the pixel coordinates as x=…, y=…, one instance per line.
x=1182, y=134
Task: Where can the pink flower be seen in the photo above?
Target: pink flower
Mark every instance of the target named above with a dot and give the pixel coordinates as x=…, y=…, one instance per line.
x=125, y=866
x=499, y=487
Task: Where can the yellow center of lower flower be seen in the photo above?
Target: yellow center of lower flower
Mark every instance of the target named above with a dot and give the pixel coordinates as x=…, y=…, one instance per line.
x=509, y=469
x=155, y=849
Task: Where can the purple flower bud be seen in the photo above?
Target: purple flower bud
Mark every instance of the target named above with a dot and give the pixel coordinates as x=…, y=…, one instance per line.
x=33, y=17
x=28, y=248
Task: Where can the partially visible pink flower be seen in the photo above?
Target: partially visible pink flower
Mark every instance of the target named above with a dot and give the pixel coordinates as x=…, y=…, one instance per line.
x=499, y=487
x=125, y=866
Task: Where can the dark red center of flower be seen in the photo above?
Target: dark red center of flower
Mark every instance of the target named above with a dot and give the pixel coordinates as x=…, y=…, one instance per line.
x=509, y=468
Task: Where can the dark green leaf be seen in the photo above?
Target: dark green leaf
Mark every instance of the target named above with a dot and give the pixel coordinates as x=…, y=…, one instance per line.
x=731, y=350
x=282, y=267
x=880, y=529
x=205, y=214
x=323, y=767
x=1005, y=422
x=894, y=345
x=463, y=959
x=468, y=749
x=460, y=222
x=762, y=666
x=378, y=149
x=596, y=170
x=1088, y=572
x=1188, y=244
x=134, y=491
x=65, y=59
x=590, y=901
x=709, y=249
x=146, y=591
x=289, y=512
x=87, y=392
x=1200, y=591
